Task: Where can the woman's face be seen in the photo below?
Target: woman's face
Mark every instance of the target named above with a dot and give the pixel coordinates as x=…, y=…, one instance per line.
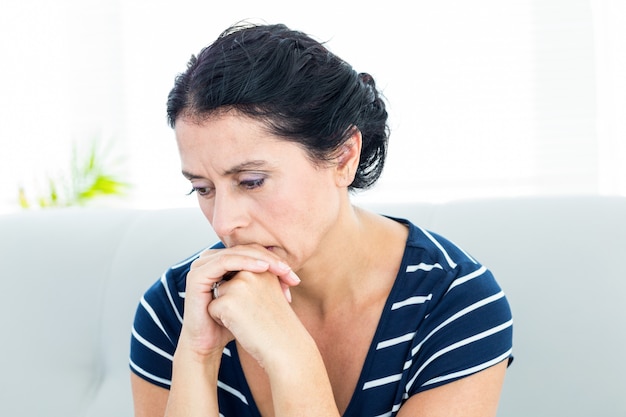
x=254, y=187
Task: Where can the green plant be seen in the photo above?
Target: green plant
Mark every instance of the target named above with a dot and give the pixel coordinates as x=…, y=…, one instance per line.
x=89, y=179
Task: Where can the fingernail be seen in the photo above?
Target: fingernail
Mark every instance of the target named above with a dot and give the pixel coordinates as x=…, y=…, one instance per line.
x=294, y=277
x=287, y=293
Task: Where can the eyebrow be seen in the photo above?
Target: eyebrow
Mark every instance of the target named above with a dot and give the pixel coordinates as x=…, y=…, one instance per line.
x=242, y=167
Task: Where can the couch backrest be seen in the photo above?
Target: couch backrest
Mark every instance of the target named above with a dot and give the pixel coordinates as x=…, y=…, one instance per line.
x=71, y=280
x=562, y=263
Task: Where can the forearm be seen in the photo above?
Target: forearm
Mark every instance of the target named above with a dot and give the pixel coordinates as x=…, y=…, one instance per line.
x=300, y=386
x=194, y=385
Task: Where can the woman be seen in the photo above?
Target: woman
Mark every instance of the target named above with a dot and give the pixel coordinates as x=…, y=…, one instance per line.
x=309, y=306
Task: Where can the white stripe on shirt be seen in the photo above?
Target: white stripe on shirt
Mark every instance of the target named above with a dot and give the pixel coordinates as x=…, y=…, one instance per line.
x=468, y=277
x=233, y=391
x=458, y=315
x=149, y=375
x=470, y=371
x=440, y=247
x=395, y=341
x=169, y=297
x=457, y=345
x=151, y=346
x=153, y=315
x=382, y=381
x=423, y=267
x=418, y=299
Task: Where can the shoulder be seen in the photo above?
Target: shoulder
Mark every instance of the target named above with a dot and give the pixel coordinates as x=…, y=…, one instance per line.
x=437, y=247
x=169, y=289
x=466, y=323
x=434, y=263
x=446, y=318
x=171, y=285
x=157, y=325
x=451, y=277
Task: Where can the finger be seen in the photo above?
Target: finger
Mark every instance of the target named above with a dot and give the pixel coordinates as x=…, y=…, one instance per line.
x=253, y=258
x=220, y=264
x=286, y=291
x=284, y=273
x=223, y=287
x=253, y=250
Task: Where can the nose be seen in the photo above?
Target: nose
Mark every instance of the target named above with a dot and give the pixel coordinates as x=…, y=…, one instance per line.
x=228, y=214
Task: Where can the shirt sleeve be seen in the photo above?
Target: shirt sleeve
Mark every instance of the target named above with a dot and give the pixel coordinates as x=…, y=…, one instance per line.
x=156, y=327
x=468, y=329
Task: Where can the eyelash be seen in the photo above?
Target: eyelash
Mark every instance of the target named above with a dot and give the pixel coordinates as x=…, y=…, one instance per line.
x=246, y=184
x=198, y=190
x=252, y=184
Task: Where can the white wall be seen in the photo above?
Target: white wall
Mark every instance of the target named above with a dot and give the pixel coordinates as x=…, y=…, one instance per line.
x=487, y=98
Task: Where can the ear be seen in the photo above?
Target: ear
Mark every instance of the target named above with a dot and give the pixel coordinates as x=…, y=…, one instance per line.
x=347, y=161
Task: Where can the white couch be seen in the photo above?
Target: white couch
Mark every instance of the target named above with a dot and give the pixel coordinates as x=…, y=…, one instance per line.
x=71, y=278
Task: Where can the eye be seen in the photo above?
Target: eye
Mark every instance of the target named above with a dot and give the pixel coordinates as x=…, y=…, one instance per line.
x=202, y=191
x=252, y=183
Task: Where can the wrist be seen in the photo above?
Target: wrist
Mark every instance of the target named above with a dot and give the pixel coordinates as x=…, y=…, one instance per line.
x=299, y=351
x=194, y=383
x=300, y=383
x=187, y=352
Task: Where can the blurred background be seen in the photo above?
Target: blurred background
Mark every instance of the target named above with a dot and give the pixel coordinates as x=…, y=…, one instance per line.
x=487, y=98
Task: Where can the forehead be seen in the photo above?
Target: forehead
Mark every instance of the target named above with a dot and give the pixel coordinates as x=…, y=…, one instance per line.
x=226, y=140
x=220, y=124
x=223, y=134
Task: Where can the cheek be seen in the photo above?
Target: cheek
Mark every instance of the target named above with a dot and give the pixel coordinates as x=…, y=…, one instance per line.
x=206, y=207
x=302, y=217
x=297, y=204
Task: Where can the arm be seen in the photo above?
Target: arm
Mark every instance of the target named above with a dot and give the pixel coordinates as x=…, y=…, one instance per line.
x=196, y=359
x=192, y=386
x=300, y=386
x=149, y=400
x=271, y=333
x=267, y=329
x=476, y=395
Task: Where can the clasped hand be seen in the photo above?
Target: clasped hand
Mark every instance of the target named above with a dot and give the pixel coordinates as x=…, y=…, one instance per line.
x=252, y=305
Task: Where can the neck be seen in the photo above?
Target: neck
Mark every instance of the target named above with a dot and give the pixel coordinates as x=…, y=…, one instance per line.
x=343, y=273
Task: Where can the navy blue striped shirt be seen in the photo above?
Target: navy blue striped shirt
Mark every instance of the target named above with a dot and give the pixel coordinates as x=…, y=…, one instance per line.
x=445, y=318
